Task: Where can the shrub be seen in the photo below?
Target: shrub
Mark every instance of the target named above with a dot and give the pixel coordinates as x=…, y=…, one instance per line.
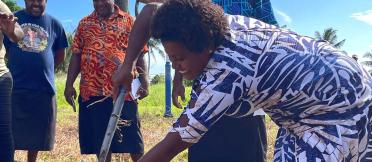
x=159, y=78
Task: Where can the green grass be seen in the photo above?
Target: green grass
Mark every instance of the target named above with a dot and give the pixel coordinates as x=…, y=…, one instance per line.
x=153, y=104
x=153, y=126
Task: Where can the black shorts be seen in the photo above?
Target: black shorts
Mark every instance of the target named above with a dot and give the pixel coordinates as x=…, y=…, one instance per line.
x=33, y=119
x=233, y=140
x=93, y=122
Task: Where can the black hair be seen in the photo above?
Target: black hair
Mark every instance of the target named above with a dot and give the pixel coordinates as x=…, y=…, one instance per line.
x=196, y=24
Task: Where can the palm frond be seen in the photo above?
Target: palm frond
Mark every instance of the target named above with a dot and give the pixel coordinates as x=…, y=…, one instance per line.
x=367, y=63
x=318, y=36
x=340, y=44
x=368, y=55
x=283, y=26
x=155, y=47
x=330, y=35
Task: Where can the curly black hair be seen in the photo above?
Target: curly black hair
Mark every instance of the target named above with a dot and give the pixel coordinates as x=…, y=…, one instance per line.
x=196, y=24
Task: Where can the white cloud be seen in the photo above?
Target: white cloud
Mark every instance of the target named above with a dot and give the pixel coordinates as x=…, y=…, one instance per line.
x=67, y=21
x=285, y=16
x=365, y=16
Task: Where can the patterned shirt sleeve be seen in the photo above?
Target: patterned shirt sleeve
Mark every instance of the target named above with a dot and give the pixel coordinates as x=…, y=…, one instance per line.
x=77, y=44
x=213, y=94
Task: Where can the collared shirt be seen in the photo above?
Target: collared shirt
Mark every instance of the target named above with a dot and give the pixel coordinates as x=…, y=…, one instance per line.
x=258, y=9
x=3, y=68
x=318, y=96
x=102, y=44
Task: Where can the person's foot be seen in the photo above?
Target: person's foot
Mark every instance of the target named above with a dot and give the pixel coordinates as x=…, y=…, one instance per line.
x=32, y=156
x=135, y=157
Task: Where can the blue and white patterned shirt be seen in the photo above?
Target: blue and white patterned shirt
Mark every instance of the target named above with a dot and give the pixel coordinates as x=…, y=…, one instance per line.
x=318, y=96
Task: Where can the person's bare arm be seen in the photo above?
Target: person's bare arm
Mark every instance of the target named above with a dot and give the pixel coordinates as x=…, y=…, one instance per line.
x=138, y=37
x=178, y=89
x=59, y=57
x=72, y=73
x=166, y=149
x=143, y=76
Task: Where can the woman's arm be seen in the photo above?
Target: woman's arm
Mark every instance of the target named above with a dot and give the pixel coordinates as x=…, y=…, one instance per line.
x=138, y=38
x=165, y=150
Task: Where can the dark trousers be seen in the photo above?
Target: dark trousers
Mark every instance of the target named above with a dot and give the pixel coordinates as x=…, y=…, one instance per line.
x=6, y=138
x=232, y=140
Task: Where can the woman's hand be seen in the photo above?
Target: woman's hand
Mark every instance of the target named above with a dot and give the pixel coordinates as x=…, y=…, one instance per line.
x=122, y=77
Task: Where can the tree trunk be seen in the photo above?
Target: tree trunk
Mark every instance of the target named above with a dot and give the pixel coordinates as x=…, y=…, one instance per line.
x=123, y=4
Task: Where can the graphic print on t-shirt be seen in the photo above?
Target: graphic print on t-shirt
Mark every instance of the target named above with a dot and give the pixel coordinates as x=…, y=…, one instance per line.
x=35, y=39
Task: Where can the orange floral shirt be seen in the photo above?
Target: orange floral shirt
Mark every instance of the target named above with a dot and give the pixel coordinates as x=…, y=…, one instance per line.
x=102, y=44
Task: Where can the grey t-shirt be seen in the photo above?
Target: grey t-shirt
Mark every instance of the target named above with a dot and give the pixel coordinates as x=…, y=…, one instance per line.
x=3, y=68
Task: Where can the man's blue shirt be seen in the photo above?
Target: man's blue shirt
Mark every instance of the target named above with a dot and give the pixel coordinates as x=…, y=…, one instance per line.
x=31, y=61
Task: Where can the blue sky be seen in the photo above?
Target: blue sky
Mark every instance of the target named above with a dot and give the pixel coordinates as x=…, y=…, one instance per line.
x=352, y=18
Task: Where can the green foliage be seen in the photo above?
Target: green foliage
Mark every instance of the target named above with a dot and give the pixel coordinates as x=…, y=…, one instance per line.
x=12, y=4
x=284, y=26
x=330, y=36
x=154, y=46
x=64, y=65
x=153, y=104
x=187, y=83
x=157, y=79
x=368, y=60
x=160, y=79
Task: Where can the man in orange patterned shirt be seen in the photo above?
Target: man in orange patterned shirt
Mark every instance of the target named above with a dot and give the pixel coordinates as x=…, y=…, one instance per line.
x=98, y=49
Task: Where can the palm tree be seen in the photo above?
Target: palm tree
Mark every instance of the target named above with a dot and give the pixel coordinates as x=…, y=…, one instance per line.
x=368, y=60
x=12, y=4
x=154, y=49
x=330, y=36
